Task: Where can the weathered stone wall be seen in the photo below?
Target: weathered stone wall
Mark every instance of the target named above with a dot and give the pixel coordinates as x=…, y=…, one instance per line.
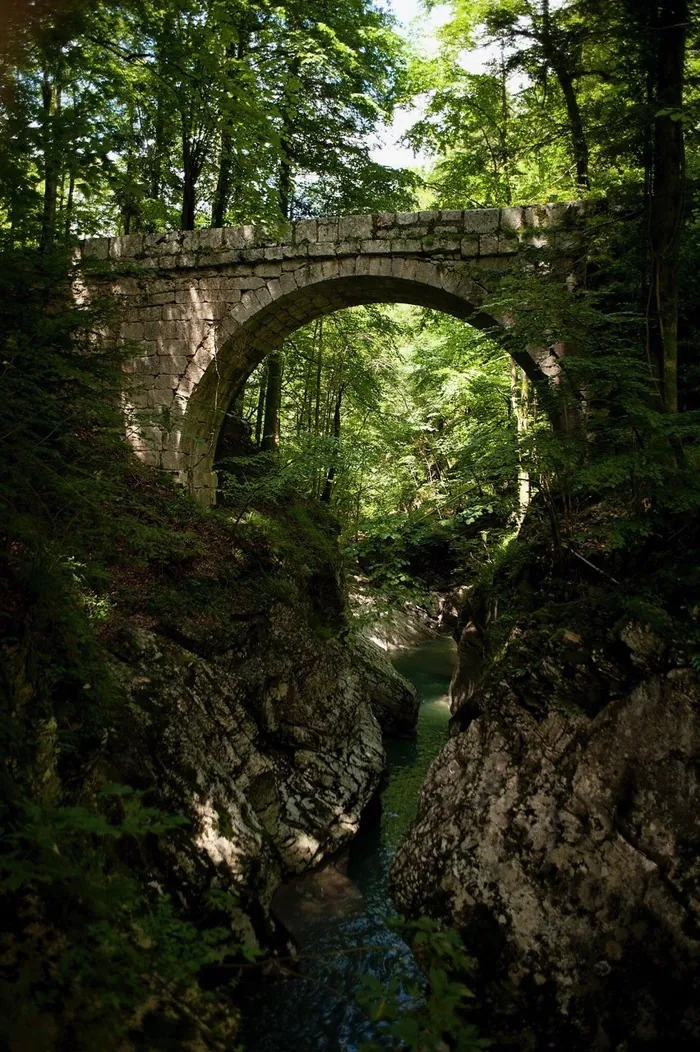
x=203, y=307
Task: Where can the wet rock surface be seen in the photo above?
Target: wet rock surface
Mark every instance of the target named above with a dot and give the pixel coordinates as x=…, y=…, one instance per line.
x=271, y=753
x=393, y=699
x=564, y=845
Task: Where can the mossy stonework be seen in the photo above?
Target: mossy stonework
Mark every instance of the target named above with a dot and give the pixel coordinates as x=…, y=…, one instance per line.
x=202, y=308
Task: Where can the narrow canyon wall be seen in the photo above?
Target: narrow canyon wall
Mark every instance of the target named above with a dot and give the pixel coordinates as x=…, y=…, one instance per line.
x=564, y=846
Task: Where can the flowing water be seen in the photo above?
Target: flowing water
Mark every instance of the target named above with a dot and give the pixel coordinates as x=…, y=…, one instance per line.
x=338, y=916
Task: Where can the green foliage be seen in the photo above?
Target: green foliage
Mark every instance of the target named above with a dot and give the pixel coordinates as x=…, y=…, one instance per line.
x=91, y=950
x=441, y=1017
x=142, y=116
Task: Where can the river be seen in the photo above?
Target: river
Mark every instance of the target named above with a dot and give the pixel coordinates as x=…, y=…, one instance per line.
x=338, y=916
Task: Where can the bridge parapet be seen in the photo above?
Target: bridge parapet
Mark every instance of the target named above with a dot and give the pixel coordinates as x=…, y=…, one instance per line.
x=465, y=234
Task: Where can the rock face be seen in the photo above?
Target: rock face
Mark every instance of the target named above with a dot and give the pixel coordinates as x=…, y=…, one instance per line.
x=271, y=752
x=565, y=848
x=393, y=699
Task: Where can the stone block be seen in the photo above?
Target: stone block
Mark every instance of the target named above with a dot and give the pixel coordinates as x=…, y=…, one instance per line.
x=132, y=330
x=238, y=237
x=447, y=244
x=95, y=248
x=305, y=230
x=469, y=247
x=153, y=313
x=209, y=239
x=355, y=228
x=176, y=330
x=536, y=216
x=253, y=255
x=482, y=221
x=512, y=218
x=274, y=252
x=126, y=247
x=190, y=295
x=451, y=216
x=383, y=220
x=287, y=283
x=489, y=245
x=322, y=249
x=374, y=247
x=227, y=257
x=408, y=218
x=406, y=245
x=329, y=269
x=328, y=231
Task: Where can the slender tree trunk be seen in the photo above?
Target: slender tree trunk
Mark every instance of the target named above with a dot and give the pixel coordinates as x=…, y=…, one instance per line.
x=273, y=402
x=156, y=167
x=519, y=393
x=224, y=180
x=260, y=416
x=189, y=185
x=666, y=218
x=319, y=370
x=285, y=181
x=564, y=75
x=330, y=477
x=50, y=109
x=505, y=125
x=68, y=216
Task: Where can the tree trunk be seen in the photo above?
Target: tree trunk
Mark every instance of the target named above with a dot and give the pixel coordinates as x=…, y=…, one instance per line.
x=330, y=477
x=68, y=216
x=224, y=180
x=189, y=186
x=556, y=62
x=319, y=371
x=519, y=394
x=261, y=406
x=578, y=134
x=156, y=167
x=666, y=219
x=285, y=182
x=273, y=401
x=50, y=108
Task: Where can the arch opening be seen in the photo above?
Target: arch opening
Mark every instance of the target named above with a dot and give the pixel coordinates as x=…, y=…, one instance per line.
x=249, y=335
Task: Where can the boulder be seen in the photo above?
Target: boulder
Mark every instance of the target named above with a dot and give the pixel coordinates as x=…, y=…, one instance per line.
x=393, y=699
x=272, y=753
x=565, y=848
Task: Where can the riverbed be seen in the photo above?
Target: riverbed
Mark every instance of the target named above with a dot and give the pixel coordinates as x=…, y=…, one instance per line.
x=339, y=915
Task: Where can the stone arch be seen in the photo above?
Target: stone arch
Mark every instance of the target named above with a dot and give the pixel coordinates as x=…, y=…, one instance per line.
x=261, y=321
x=203, y=307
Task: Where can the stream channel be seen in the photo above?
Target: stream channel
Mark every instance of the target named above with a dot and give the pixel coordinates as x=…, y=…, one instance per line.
x=338, y=914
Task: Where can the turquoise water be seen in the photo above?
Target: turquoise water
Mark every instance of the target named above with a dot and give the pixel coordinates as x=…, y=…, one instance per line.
x=348, y=936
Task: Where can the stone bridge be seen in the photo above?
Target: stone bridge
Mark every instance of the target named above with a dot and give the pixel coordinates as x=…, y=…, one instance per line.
x=202, y=308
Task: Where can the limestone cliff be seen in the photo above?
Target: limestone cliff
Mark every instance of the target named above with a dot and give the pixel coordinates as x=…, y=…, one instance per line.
x=564, y=843
x=272, y=751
